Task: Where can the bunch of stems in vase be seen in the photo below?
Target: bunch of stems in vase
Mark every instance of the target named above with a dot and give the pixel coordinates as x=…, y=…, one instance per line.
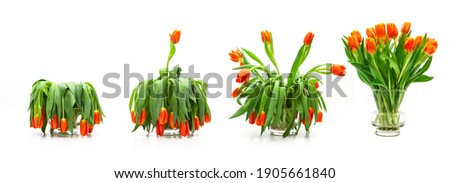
x=281, y=104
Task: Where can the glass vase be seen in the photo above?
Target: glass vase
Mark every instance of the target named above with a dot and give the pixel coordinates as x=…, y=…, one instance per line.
x=75, y=125
x=388, y=119
x=280, y=127
x=171, y=132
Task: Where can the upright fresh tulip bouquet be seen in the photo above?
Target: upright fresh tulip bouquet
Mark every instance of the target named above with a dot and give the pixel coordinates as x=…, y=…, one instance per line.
x=273, y=102
x=389, y=63
x=62, y=104
x=171, y=104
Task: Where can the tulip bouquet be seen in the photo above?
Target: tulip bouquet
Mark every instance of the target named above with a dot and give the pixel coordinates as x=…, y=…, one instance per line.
x=389, y=63
x=171, y=104
x=62, y=104
x=273, y=102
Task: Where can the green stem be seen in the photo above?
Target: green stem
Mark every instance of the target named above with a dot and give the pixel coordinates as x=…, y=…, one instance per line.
x=408, y=58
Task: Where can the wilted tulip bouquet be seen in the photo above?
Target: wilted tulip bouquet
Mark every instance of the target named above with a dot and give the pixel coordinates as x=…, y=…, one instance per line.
x=280, y=104
x=172, y=105
x=62, y=104
x=389, y=62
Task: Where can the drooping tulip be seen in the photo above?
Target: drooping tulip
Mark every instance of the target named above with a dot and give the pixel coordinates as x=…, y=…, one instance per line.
x=63, y=125
x=35, y=122
x=42, y=120
x=184, y=129
x=236, y=92
x=90, y=128
x=207, y=118
x=160, y=130
x=54, y=122
x=252, y=118
x=261, y=119
x=143, y=117
x=319, y=117
x=236, y=56
x=338, y=70
x=83, y=128
x=196, y=123
x=97, y=117
x=133, y=117
x=163, y=116
x=243, y=76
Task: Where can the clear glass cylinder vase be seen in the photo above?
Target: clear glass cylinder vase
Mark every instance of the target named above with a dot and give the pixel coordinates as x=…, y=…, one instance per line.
x=171, y=132
x=75, y=126
x=388, y=119
x=279, y=128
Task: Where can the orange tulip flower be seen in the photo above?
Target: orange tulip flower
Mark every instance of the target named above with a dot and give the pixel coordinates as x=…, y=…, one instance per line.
x=380, y=30
x=357, y=35
x=35, y=122
x=409, y=45
x=236, y=56
x=406, y=27
x=196, y=123
x=163, y=116
x=97, y=117
x=418, y=41
x=371, y=47
x=319, y=117
x=431, y=47
x=160, y=130
x=54, y=122
x=310, y=111
x=133, y=117
x=184, y=129
x=90, y=128
x=143, y=117
x=261, y=119
x=207, y=118
x=370, y=32
x=265, y=36
x=83, y=128
x=252, y=118
x=338, y=70
x=41, y=122
x=353, y=43
x=243, y=76
x=63, y=125
x=432, y=41
x=175, y=36
x=236, y=92
x=308, y=38
x=392, y=30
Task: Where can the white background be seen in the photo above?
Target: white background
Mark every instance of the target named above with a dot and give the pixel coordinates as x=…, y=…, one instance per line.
x=83, y=40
